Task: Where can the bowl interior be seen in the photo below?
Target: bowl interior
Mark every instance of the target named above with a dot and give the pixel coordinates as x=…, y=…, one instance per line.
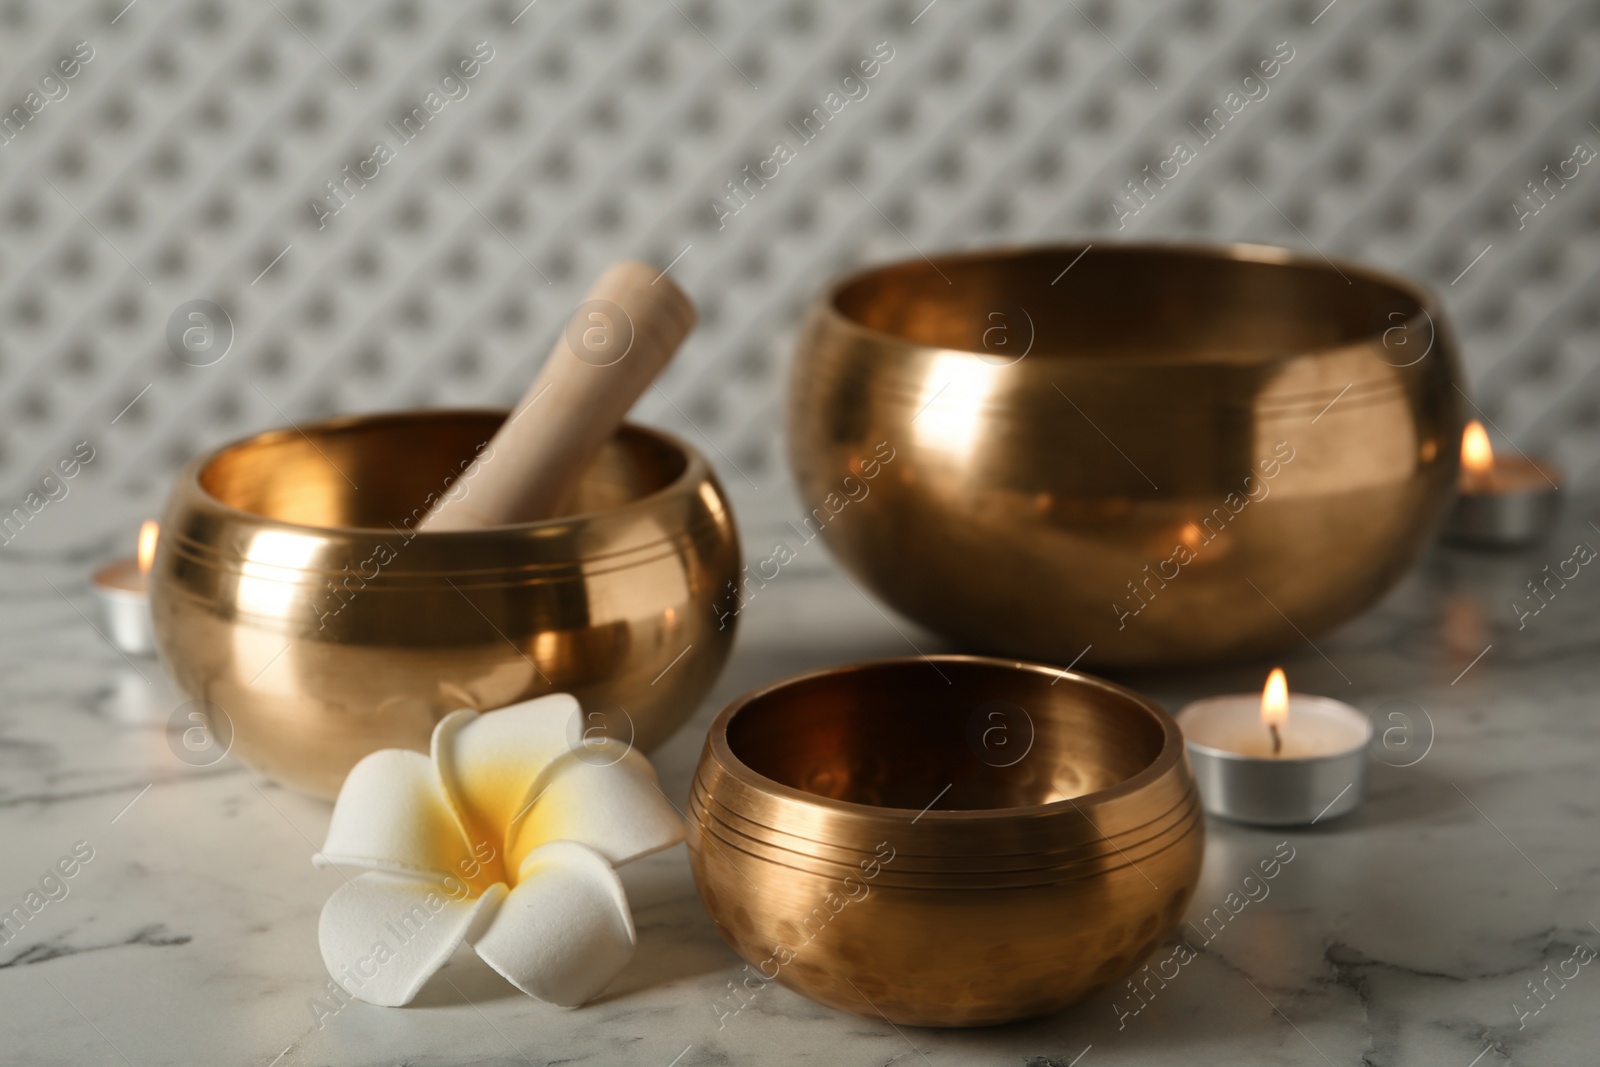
x=1128, y=301
x=402, y=463
x=897, y=734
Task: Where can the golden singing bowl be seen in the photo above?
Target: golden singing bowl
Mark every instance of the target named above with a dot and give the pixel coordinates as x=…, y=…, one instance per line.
x=1152, y=454
x=947, y=841
x=290, y=590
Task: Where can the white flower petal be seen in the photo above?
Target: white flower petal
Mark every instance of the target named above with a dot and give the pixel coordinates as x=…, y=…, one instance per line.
x=488, y=763
x=391, y=815
x=564, y=932
x=615, y=808
x=384, y=935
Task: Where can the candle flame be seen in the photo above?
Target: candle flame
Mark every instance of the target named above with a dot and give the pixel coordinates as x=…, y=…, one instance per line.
x=149, y=531
x=1477, y=455
x=1275, y=699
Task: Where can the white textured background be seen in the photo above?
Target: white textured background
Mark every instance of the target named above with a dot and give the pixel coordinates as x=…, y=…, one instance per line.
x=185, y=154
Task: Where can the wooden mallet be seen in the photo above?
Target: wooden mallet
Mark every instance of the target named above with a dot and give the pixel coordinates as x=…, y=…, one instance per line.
x=615, y=343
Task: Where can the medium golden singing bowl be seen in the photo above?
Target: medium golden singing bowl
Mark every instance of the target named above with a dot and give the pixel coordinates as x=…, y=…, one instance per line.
x=947, y=841
x=290, y=590
x=1148, y=455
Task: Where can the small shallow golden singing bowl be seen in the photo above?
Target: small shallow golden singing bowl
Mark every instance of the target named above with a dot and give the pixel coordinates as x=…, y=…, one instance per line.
x=290, y=591
x=948, y=841
x=1101, y=455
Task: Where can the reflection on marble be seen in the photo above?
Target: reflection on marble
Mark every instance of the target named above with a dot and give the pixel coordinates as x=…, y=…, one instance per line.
x=1408, y=933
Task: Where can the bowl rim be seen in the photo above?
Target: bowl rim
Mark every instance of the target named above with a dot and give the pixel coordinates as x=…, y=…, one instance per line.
x=695, y=470
x=1171, y=754
x=827, y=302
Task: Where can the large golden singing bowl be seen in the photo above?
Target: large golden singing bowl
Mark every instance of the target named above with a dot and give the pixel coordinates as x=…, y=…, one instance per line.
x=1158, y=454
x=290, y=590
x=949, y=841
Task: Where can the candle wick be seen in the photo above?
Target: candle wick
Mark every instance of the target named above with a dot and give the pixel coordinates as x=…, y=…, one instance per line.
x=1277, y=738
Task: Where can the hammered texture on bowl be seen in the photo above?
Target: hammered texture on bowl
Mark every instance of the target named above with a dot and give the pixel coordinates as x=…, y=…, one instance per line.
x=948, y=841
x=1136, y=454
x=290, y=591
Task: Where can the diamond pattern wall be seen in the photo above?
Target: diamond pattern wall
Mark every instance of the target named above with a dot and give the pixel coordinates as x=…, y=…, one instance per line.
x=376, y=205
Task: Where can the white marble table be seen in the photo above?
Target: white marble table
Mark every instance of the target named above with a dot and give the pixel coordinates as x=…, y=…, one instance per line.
x=1405, y=934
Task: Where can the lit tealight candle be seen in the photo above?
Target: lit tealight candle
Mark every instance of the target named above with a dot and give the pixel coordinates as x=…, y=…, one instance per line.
x=119, y=588
x=1501, y=501
x=1280, y=759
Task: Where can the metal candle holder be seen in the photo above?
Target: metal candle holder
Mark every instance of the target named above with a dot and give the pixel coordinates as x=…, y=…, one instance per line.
x=1293, y=790
x=1513, y=504
x=124, y=606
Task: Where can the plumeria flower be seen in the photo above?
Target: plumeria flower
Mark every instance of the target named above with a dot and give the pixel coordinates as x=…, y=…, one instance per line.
x=507, y=837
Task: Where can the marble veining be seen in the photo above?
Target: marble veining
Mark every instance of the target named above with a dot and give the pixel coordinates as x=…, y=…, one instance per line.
x=1451, y=921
